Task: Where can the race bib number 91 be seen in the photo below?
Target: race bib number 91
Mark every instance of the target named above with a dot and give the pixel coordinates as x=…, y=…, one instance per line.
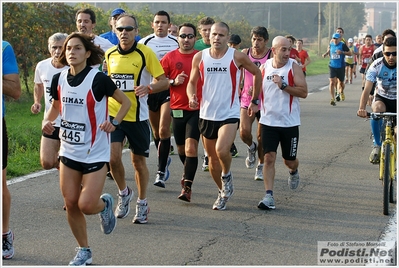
x=72, y=132
x=124, y=82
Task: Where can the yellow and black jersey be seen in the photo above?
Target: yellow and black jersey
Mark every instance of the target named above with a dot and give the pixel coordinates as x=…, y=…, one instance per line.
x=129, y=69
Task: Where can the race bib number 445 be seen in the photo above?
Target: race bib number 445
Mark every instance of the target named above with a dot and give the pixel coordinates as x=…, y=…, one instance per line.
x=72, y=132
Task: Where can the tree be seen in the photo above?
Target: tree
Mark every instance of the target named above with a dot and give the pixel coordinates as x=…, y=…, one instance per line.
x=27, y=27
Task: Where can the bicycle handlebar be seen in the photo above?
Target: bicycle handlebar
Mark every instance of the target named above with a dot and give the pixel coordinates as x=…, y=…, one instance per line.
x=380, y=115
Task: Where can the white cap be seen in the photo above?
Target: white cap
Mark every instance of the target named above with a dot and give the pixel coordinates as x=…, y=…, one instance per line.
x=350, y=40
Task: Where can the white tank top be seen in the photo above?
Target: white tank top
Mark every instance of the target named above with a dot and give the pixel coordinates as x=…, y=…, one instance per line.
x=220, y=80
x=278, y=108
x=81, y=114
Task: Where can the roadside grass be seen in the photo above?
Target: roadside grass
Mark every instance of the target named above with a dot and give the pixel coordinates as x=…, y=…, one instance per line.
x=318, y=65
x=24, y=128
x=24, y=133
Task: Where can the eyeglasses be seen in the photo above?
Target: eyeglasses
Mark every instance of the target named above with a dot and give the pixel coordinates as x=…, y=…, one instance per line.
x=189, y=36
x=126, y=28
x=388, y=54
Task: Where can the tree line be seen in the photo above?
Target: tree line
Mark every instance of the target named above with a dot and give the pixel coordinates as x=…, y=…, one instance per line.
x=27, y=26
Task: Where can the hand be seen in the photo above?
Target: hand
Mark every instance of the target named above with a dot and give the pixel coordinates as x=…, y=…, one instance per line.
x=252, y=109
x=362, y=113
x=193, y=102
x=107, y=127
x=48, y=127
x=277, y=80
x=142, y=91
x=180, y=78
x=36, y=107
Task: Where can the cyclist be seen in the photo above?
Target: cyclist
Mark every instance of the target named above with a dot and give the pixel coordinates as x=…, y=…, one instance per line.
x=382, y=71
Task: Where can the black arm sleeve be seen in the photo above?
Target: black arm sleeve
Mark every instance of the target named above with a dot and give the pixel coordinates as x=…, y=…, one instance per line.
x=103, y=86
x=54, y=86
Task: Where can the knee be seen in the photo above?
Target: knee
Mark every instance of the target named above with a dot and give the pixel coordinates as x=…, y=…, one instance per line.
x=191, y=151
x=87, y=208
x=139, y=165
x=269, y=159
x=114, y=160
x=164, y=132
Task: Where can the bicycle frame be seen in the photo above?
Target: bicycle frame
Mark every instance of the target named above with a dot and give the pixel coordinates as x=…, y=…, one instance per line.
x=388, y=159
x=389, y=139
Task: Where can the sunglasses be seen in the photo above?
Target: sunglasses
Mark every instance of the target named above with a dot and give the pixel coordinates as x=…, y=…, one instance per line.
x=388, y=54
x=189, y=36
x=126, y=28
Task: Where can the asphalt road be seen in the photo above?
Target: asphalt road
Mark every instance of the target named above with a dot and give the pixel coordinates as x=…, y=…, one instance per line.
x=339, y=199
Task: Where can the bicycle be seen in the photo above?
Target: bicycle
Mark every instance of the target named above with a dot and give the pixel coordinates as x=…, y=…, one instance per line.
x=387, y=164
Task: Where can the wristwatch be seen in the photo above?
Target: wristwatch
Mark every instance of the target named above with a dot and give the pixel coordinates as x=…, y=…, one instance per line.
x=115, y=123
x=283, y=85
x=171, y=81
x=256, y=102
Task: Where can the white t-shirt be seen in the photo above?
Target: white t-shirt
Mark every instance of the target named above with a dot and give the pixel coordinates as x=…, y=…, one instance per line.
x=160, y=45
x=44, y=73
x=104, y=44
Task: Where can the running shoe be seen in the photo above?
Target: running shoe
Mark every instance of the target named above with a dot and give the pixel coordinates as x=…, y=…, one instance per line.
x=259, y=173
x=220, y=203
x=342, y=95
x=346, y=81
x=172, y=150
x=205, y=164
x=375, y=155
x=227, y=186
x=293, y=180
x=107, y=217
x=167, y=173
x=82, y=258
x=123, y=206
x=337, y=97
x=142, y=211
x=251, y=157
x=160, y=179
x=8, y=245
x=233, y=151
x=185, y=194
x=332, y=102
x=267, y=202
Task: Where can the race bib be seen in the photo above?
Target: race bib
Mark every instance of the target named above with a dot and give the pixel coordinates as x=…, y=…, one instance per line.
x=335, y=56
x=177, y=113
x=366, y=60
x=72, y=132
x=124, y=82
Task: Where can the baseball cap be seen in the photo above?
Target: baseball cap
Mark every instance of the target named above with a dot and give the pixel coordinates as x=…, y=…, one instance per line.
x=336, y=36
x=350, y=40
x=235, y=39
x=117, y=11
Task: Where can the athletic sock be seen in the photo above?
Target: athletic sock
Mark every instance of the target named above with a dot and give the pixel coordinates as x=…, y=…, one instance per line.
x=190, y=167
x=124, y=192
x=182, y=158
x=163, y=154
x=376, y=130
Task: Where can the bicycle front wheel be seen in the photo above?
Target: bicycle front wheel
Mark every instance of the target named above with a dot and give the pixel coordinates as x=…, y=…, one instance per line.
x=387, y=177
